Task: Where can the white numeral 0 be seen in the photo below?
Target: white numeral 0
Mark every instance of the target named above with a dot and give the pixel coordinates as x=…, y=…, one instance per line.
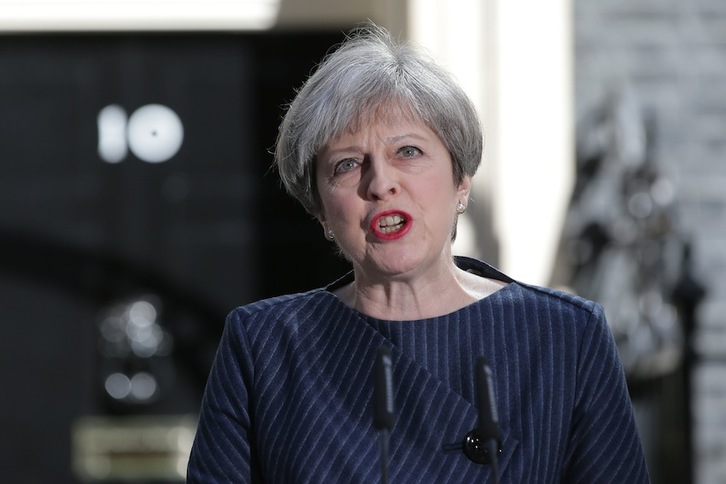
x=154, y=133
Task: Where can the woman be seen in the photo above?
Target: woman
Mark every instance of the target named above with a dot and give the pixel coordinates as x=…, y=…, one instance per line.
x=380, y=145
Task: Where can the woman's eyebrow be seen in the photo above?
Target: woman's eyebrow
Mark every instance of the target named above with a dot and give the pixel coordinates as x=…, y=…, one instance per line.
x=342, y=151
x=394, y=139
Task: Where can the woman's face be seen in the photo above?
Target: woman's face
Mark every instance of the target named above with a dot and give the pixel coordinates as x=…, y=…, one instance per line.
x=388, y=195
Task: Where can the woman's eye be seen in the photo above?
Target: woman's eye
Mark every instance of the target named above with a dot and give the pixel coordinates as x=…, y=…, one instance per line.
x=346, y=166
x=409, y=151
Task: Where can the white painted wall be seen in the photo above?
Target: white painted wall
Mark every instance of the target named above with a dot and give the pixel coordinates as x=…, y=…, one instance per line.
x=514, y=59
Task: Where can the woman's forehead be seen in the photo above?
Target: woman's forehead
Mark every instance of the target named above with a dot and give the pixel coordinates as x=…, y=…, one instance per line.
x=389, y=114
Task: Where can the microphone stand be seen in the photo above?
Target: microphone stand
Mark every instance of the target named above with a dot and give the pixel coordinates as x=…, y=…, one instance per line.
x=493, y=449
x=383, y=446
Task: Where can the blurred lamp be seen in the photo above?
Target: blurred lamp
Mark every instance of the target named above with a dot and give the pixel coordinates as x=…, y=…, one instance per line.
x=131, y=15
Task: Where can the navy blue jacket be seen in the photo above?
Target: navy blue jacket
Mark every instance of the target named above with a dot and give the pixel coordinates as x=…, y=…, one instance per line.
x=290, y=396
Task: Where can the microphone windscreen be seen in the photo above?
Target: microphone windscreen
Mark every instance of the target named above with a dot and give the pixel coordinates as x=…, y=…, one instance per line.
x=486, y=401
x=383, y=417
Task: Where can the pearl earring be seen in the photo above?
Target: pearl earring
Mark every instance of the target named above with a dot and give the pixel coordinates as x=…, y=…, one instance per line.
x=329, y=234
x=460, y=208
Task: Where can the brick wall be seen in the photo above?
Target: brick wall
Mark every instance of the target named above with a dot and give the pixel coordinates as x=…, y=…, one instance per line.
x=671, y=56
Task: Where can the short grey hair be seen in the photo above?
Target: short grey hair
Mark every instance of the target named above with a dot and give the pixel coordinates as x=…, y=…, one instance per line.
x=366, y=73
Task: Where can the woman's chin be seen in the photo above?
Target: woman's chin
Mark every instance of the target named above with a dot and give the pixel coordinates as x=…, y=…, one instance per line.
x=393, y=264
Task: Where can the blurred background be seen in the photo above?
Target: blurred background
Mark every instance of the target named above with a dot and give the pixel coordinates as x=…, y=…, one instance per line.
x=137, y=204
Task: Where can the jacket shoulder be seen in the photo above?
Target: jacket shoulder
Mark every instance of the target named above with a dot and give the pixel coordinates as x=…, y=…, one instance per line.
x=287, y=311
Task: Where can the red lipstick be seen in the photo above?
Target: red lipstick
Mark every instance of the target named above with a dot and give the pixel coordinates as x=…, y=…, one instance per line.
x=391, y=224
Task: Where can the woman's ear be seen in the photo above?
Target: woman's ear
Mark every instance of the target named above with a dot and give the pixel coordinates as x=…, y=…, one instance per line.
x=320, y=216
x=464, y=189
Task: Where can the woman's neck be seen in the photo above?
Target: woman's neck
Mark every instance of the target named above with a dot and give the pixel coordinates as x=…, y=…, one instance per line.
x=403, y=299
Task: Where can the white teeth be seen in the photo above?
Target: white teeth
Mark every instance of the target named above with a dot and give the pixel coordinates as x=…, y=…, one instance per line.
x=390, y=223
x=390, y=220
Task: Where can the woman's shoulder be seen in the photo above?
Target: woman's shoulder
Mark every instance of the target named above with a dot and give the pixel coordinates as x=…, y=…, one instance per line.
x=291, y=314
x=539, y=310
x=524, y=293
x=285, y=319
x=557, y=296
x=285, y=304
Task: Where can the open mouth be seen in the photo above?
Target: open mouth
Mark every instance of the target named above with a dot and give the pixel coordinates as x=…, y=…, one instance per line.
x=390, y=225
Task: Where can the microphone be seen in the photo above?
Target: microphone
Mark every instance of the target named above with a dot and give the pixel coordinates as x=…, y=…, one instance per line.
x=487, y=402
x=383, y=416
x=483, y=444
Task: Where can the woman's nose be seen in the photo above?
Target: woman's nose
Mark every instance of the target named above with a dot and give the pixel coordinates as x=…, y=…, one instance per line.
x=382, y=181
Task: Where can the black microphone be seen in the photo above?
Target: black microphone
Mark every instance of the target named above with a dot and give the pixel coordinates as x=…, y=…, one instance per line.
x=487, y=402
x=383, y=416
x=483, y=444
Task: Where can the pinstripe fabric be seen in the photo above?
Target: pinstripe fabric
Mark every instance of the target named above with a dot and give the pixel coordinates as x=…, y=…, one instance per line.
x=290, y=393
